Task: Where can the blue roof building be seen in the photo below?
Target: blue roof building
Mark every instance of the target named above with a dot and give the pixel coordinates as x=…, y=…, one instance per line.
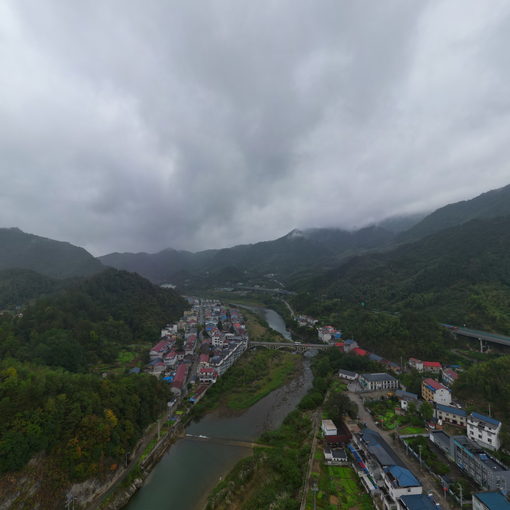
x=418, y=502
x=494, y=500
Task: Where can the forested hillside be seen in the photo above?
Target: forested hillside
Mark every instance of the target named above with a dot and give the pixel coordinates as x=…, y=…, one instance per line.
x=493, y=204
x=89, y=321
x=51, y=258
x=51, y=401
x=19, y=286
x=461, y=274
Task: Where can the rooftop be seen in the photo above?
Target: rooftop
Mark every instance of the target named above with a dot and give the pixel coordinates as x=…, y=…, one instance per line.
x=486, y=419
x=418, y=502
x=380, y=449
x=406, y=394
x=451, y=410
x=403, y=476
x=493, y=500
x=378, y=377
x=433, y=384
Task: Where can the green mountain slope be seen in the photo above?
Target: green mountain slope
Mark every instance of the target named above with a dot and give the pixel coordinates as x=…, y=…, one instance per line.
x=488, y=205
x=90, y=321
x=51, y=258
x=19, y=286
x=461, y=275
x=297, y=251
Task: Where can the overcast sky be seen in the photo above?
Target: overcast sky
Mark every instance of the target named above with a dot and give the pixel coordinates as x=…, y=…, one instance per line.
x=139, y=125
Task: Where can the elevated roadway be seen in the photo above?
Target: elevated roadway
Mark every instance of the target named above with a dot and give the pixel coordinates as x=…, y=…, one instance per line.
x=481, y=336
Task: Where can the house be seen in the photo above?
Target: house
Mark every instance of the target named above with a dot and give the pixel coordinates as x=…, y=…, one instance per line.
x=405, y=397
x=434, y=391
x=484, y=430
x=416, y=364
x=181, y=375
x=450, y=414
x=335, y=455
x=359, y=352
x=425, y=366
x=170, y=359
x=378, y=381
x=207, y=375
x=203, y=360
x=159, y=349
x=493, y=500
x=399, y=482
x=374, y=357
x=449, y=376
x=432, y=366
x=350, y=344
x=417, y=502
x=341, y=438
x=329, y=428
x=348, y=376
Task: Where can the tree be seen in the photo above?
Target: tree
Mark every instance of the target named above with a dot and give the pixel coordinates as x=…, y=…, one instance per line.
x=426, y=411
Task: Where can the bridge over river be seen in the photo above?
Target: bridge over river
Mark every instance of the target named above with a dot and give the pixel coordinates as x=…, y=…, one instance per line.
x=295, y=346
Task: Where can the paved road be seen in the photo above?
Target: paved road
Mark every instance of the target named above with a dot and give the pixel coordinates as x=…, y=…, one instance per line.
x=429, y=483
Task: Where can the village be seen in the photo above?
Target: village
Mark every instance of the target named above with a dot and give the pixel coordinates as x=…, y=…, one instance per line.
x=399, y=433
x=198, y=349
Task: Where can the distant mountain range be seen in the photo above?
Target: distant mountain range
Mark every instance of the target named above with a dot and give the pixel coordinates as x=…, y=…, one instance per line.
x=294, y=259
x=297, y=251
x=51, y=258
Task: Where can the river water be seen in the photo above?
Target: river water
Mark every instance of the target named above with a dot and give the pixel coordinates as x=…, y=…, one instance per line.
x=191, y=469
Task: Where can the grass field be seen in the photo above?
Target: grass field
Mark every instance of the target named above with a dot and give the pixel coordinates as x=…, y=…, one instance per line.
x=412, y=430
x=339, y=489
x=276, y=376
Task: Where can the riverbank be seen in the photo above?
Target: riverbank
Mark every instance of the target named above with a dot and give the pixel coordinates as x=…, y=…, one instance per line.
x=254, y=376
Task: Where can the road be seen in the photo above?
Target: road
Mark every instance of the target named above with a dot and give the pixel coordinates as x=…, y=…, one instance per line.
x=429, y=483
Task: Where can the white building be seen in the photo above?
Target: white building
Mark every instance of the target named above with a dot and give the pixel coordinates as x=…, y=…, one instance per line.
x=347, y=375
x=484, y=430
x=400, y=482
x=329, y=428
x=378, y=381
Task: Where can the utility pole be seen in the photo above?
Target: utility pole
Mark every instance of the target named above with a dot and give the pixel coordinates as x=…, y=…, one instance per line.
x=460, y=490
x=159, y=430
x=419, y=448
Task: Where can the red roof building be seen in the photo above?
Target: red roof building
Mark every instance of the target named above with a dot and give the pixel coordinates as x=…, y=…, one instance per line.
x=359, y=351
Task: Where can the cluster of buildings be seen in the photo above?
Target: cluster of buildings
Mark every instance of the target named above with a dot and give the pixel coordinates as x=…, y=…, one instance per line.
x=385, y=476
x=470, y=457
x=335, y=439
x=199, y=348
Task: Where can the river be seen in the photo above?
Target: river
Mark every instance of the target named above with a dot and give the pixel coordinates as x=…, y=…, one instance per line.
x=191, y=469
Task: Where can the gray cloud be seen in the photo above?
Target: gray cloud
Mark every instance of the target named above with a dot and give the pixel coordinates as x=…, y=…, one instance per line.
x=129, y=125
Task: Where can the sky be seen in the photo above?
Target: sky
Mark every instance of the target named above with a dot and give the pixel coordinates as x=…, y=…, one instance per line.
x=139, y=125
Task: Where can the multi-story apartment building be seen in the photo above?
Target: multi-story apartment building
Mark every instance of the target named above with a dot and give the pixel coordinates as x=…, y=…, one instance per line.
x=434, y=391
x=484, y=430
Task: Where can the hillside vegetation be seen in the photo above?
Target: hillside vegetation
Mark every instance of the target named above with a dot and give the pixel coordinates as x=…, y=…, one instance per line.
x=52, y=404
x=492, y=204
x=48, y=257
x=459, y=275
x=19, y=286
